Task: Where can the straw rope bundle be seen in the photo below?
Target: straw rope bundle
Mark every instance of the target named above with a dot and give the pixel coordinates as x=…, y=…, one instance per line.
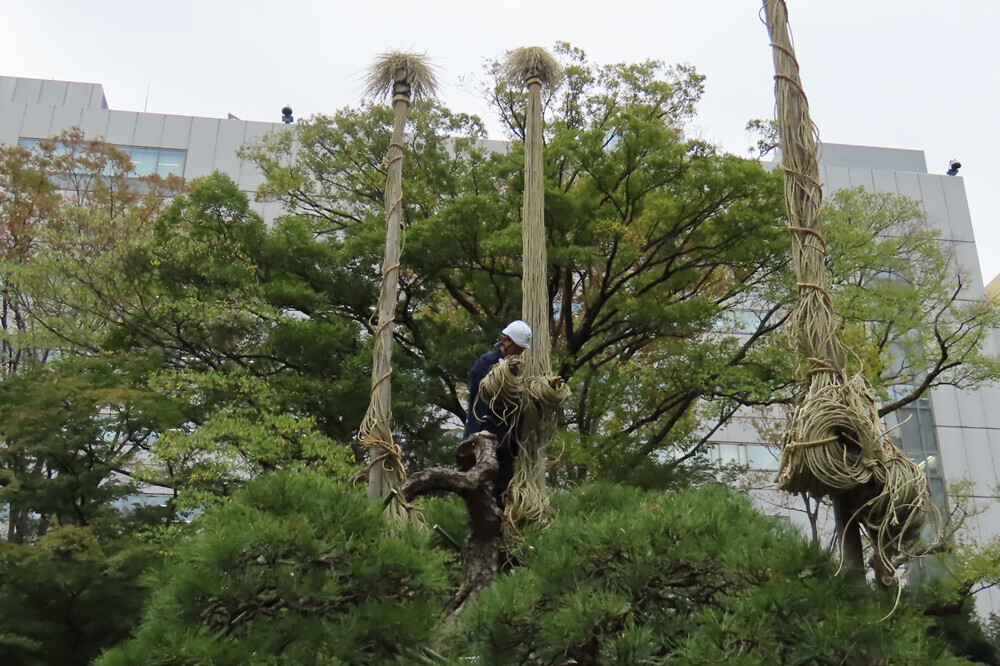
x=402, y=76
x=527, y=498
x=502, y=388
x=836, y=444
x=524, y=403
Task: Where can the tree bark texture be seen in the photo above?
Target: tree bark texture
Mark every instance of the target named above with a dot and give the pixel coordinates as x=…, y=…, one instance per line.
x=849, y=531
x=473, y=481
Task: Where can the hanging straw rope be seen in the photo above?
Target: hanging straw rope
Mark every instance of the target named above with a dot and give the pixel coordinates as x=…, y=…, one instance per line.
x=403, y=75
x=523, y=403
x=542, y=393
x=836, y=444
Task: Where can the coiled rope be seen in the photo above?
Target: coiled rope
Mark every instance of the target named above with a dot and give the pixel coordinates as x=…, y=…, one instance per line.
x=526, y=405
x=836, y=444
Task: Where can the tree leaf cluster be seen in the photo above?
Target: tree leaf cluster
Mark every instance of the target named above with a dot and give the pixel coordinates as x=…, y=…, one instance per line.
x=295, y=569
x=696, y=577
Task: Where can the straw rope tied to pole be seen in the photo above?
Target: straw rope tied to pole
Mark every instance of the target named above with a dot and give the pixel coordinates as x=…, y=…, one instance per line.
x=542, y=393
x=836, y=444
x=403, y=76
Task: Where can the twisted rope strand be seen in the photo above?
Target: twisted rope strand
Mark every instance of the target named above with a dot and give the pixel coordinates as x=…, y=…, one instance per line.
x=836, y=444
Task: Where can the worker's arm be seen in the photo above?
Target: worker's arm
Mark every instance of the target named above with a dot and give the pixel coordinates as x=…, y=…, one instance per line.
x=479, y=417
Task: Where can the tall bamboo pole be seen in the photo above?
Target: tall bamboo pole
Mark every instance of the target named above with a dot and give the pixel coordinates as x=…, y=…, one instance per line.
x=799, y=160
x=535, y=294
x=836, y=444
x=527, y=498
x=403, y=76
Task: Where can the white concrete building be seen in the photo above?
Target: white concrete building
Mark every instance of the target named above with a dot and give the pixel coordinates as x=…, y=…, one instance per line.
x=32, y=109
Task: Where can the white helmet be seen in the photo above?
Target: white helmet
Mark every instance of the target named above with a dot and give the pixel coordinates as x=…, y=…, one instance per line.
x=519, y=333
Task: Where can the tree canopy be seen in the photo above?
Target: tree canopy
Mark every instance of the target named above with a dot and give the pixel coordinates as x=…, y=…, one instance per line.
x=158, y=335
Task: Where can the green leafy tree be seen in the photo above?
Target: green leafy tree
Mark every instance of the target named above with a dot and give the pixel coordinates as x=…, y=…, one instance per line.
x=905, y=302
x=72, y=431
x=69, y=209
x=73, y=593
x=697, y=577
x=667, y=269
x=297, y=569
x=652, y=236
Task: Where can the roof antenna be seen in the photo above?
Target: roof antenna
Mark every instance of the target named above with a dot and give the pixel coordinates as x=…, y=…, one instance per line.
x=146, y=105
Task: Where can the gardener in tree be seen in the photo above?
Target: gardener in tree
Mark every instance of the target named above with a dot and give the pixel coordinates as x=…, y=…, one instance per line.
x=480, y=417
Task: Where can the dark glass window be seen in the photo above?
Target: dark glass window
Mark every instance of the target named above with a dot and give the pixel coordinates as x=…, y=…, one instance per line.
x=146, y=161
x=171, y=162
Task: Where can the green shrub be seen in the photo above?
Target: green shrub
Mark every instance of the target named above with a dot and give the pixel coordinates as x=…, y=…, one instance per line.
x=698, y=577
x=70, y=594
x=297, y=569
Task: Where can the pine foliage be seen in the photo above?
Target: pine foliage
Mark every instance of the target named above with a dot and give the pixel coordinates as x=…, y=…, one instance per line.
x=297, y=569
x=72, y=593
x=697, y=577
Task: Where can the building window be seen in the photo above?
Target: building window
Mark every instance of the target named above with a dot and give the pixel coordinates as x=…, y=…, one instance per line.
x=759, y=457
x=161, y=161
x=145, y=161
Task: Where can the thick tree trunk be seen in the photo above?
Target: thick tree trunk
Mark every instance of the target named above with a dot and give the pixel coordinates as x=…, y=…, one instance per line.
x=849, y=531
x=473, y=480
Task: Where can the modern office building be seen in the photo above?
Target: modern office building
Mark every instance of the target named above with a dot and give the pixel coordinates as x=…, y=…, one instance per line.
x=955, y=434
x=32, y=109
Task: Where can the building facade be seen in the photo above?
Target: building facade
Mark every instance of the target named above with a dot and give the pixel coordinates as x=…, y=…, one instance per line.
x=33, y=109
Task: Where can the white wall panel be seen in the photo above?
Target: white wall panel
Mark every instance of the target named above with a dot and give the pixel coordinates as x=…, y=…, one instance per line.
x=944, y=402
x=977, y=453
x=37, y=121
x=121, y=127
x=65, y=117
x=201, y=148
x=959, y=216
x=833, y=179
x=83, y=95
x=885, y=182
x=176, y=132
x=227, y=142
x=967, y=259
x=12, y=122
x=52, y=92
x=993, y=436
x=249, y=176
x=8, y=88
x=953, y=460
x=94, y=122
x=28, y=90
x=861, y=178
x=908, y=185
x=148, y=130
x=990, y=397
x=970, y=409
x=935, y=206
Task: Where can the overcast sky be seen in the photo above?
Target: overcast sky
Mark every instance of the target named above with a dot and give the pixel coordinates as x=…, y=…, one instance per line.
x=917, y=74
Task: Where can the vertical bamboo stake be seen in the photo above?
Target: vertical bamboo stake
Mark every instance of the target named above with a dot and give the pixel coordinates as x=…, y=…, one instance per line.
x=403, y=75
x=814, y=314
x=527, y=496
x=836, y=443
x=534, y=294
